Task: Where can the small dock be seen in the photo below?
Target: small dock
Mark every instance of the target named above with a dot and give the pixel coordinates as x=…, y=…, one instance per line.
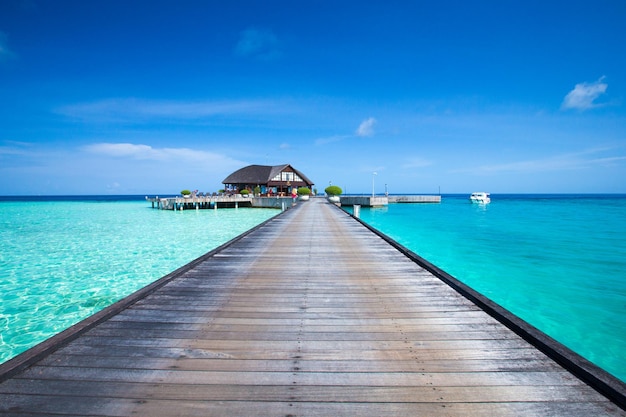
x=414, y=199
x=379, y=201
x=310, y=314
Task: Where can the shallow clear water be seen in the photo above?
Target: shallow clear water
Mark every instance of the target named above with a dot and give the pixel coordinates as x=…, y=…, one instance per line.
x=61, y=261
x=558, y=262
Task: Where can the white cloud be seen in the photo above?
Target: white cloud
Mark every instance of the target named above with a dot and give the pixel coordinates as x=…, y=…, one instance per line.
x=584, y=95
x=146, y=152
x=259, y=43
x=366, y=128
x=140, y=110
x=569, y=161
x=122, y=150
x=126, y=168
x=113, y=186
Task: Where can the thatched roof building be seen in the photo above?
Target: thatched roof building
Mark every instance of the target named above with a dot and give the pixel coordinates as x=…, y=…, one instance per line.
x=277, y=179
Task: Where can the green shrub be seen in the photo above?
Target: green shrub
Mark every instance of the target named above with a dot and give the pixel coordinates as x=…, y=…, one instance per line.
x=333, y=190
x=304, y=191
x=185, y=192
x=244, y=192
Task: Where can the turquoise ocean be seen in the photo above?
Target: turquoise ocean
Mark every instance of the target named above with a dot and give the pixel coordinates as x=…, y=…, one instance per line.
x=557, y=261
x=65, y=258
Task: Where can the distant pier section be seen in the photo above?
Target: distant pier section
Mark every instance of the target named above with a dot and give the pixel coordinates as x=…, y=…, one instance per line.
x=379, y=201
x=221, y=201
x=414, y=198
x=238, y=200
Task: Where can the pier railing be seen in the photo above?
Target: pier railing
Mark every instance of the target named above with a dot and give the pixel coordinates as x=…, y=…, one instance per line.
x=221, y=201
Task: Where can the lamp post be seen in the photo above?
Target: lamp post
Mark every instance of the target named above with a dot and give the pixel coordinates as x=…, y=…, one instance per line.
x=373, y=176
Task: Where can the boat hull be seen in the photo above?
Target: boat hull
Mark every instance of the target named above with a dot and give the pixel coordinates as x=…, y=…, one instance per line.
x=480, y=198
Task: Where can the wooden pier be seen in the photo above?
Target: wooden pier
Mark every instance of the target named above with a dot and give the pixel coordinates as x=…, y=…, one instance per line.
x=309, y=314
x=221, y=201
x=238, y=200
x=414, y=199
x=379, y=201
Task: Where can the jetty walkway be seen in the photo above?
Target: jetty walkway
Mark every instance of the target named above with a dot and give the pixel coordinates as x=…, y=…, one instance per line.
x=309, y=314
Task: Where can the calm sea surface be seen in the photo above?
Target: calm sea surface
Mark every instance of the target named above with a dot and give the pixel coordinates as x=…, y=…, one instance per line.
x=63, y=259
x=557, y=261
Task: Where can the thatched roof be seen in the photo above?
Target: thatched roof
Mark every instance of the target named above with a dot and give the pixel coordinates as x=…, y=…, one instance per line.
x=261, y=174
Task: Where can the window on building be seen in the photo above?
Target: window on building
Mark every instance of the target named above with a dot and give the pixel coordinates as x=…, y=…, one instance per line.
x=287, y=176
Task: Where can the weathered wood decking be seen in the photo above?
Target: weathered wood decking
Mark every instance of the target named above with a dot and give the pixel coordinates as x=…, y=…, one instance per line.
x=311, y=314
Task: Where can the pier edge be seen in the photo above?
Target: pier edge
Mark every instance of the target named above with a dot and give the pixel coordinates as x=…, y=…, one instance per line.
x=32, y=355
x=597, y=378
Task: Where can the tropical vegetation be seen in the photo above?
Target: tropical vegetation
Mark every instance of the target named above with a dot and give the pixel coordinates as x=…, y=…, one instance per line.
x=333, y=190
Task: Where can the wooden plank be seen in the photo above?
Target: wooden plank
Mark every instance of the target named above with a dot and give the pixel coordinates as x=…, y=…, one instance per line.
x=289, y=377
x=289, y=406
x=280, y=335
x=300, y=393
x=370, y=355
x=506, y=363
x=124, y=326
x=267, y=326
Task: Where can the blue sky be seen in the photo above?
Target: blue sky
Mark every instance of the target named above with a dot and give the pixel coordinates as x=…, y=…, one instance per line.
x=150, y=97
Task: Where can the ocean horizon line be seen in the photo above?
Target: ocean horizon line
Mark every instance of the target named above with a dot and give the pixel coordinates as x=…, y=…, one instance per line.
x=170, y=195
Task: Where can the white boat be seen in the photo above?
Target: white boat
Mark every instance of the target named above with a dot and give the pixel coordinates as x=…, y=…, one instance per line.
x=480, y=198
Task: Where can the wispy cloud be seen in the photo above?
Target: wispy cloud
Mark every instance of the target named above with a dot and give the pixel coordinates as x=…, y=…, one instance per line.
x=12, y=147
x=331, y=139
x=5, y=52
x=416, y=162
x=569, y=161
x=584, y=95
x=258, y=43
x=366, y=128
x=146, y=152
x=108, y=167
x=140, y=110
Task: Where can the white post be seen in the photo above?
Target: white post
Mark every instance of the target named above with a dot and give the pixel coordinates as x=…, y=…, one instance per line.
x=373, y=176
